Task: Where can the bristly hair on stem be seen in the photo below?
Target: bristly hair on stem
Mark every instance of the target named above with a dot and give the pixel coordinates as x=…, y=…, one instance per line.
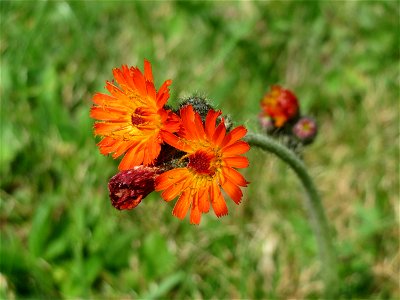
x=314, y=208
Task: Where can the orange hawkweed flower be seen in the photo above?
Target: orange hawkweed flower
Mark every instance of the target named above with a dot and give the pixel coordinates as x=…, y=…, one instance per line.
x=211, y=159
x=280, y=104
x=132, y=117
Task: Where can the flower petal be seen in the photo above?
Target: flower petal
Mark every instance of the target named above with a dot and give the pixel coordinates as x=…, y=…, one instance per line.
x=139, y=81
x=170, y=177
x=174, y=141
x=217, y=201
x=237, y=161
x=107, y=128
x=122, y=148
x=175, y=188
x=116, y=92
x=187, y=116
x=199, y=127
x=121, y=77
x=172, y=192
x=163, y=93
x=211, y=118
x=151, y=92
x=108, y=145
x=172, y=122
x=131, y=159
x=204, y=203
x=195, y=214
x=151, y=150
x=103, y=99
x=233, y=191
x=234, y=135
x=108, y=114
x=182, y=205
x=237, y=148
x=234, y=176
x=219, y=133
x=280, y=120
x=148, y=73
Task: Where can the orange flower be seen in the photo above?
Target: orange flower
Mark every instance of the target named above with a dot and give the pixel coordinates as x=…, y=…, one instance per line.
x=133, y=117
x=280, y=104
x=210, y=162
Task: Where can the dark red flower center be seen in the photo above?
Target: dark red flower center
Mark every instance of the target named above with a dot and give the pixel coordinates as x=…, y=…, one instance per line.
x=200, y=161
x=137, y=117
x=137, y=120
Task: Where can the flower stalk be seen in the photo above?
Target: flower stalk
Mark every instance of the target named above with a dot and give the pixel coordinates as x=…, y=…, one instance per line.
x=313, y=205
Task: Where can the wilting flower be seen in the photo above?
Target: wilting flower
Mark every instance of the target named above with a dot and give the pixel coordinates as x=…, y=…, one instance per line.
x=305, y=130
x=211, y=157
x=280, y=104
x=129, y=187
x=133, y=117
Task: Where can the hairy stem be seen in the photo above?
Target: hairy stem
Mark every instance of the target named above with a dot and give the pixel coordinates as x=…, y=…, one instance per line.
x=313, y=204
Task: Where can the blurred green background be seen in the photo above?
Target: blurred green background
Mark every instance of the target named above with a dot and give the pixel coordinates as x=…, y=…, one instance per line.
x=61, y=238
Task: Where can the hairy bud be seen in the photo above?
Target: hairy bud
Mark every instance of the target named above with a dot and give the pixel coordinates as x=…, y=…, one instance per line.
x=202, y=106
x=199, y=105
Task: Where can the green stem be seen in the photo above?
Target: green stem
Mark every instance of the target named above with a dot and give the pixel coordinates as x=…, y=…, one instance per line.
x=314, y=208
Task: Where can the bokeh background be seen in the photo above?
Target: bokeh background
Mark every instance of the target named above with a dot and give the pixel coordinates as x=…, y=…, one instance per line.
x=60, y=236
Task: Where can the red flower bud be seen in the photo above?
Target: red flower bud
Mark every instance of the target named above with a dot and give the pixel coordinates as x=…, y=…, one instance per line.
x=129, y=187
x=281, y=105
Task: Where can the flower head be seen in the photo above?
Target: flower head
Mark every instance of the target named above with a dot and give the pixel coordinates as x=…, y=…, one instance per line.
x=305, y=130
x=280, y=104
x=212, y=156
x=132, y=118
x=129, y=187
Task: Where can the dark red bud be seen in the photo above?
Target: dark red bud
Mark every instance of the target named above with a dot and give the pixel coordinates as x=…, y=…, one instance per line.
x=129, y=187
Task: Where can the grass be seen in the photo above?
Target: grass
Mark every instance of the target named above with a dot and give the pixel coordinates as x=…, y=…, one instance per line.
x=60, y=237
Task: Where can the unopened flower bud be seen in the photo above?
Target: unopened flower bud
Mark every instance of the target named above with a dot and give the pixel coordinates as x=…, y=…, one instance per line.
x=129, y=187
x=202, y=106
x=280, y=105
x=199, y=105
x=305, y=130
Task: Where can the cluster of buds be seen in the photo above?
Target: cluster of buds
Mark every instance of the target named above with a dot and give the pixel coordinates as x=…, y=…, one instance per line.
x=191, y=153
x=281, y=118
